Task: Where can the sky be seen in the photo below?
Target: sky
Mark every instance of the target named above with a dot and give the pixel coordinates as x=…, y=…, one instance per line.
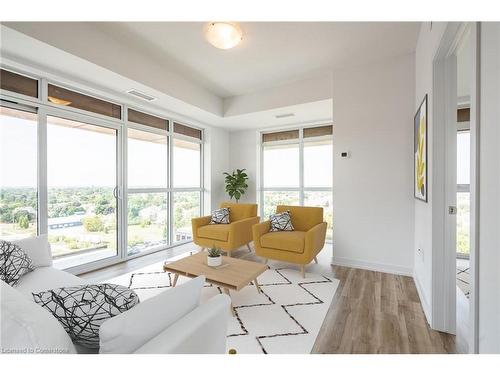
x=77, y=157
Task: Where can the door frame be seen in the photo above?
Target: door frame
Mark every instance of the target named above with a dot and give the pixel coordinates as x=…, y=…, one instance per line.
x=444, y=103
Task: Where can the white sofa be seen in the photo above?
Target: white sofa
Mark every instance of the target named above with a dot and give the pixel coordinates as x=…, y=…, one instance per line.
x=171, y=322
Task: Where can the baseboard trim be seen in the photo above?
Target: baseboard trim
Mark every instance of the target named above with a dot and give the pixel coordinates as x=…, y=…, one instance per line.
x=423, y=300
x=372, y=266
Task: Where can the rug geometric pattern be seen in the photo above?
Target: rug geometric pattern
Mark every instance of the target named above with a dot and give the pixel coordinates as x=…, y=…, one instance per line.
x=463, y=277
x=285, y=318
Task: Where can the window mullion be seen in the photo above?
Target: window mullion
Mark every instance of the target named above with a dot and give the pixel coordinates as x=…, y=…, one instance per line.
x=301, y=166
x=42, y=173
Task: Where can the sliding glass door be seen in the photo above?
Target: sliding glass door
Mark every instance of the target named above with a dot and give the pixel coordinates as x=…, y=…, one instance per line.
x=81, y=191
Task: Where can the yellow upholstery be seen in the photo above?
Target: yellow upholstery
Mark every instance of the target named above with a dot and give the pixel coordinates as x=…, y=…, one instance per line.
x=287, y=241
x=303, y=218
x=299, y=246
x=239, y=211
x=230, y=236
x=215, y=231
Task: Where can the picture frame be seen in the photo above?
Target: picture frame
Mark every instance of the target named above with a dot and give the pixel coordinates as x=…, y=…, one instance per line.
x=420, y=161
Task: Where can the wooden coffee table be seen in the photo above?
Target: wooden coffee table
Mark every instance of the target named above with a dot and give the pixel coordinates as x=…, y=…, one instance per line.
x=234, y=274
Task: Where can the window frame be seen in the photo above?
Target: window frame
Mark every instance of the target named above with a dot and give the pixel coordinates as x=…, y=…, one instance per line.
x=301, y=141
x=44, y=108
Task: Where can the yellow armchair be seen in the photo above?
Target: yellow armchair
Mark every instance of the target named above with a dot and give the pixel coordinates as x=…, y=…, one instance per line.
x=299, y=246
x=230, y=236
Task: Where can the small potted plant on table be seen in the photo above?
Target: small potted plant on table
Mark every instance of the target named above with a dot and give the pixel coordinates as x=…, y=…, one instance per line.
x=214, y=258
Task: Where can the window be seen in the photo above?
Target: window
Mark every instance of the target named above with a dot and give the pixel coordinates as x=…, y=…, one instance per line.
x=281, y=166
x=147, y=159
x=81, y=180
x=318, y=164
x=18, y=173
x=186, y=185
x=297, y=169
x=274, y=198
x=148, y=206
x=148, y=120
x=147, y=222
x=103, y=186
x=463, y=193
x=187, y=131
x=64, y=97
x=186, y=207
x=187, y=158
x=18, y=83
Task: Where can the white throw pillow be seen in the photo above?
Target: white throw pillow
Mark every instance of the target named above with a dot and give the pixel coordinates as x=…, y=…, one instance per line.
x=28, y=328
x=127, y=332
x=38, y=249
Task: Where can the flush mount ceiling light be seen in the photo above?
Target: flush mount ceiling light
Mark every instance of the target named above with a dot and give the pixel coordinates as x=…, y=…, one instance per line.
x=223, y=35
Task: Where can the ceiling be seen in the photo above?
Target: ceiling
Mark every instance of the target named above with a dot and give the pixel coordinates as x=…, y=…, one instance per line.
x=271, y=53
x=278, y=68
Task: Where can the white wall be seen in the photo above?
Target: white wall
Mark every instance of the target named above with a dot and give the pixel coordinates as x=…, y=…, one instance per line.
x=489, y=210
x=216, y=162
x=244, y=154
x=427, y=45
x=373, y=118
x=309, y=90
x=373, y=197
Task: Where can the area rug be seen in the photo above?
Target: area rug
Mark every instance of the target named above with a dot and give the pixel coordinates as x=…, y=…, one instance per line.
x=285, y=318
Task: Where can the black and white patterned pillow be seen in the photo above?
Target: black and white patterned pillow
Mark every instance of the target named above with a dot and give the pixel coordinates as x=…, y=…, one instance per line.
x=220, y=216
x=82, y=309
x=281, y=222
x=14, y=263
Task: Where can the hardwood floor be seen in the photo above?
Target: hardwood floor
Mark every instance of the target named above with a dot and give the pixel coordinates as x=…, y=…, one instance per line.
x=374, y=312
x=371, y=312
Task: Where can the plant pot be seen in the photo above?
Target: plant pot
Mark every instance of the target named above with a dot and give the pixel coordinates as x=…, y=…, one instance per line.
x=214, y=261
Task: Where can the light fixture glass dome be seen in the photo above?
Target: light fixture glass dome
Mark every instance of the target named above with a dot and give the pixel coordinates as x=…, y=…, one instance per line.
x=223, y=35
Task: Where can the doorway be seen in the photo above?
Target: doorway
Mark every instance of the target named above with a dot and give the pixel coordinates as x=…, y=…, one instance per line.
x=464, y=76
x=455, y=148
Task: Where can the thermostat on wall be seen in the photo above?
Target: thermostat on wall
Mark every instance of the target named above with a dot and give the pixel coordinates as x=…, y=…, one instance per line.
x=345, y=154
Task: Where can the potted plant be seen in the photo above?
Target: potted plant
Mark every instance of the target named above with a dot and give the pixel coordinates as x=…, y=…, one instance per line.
x=214, y=258
x=236, y=184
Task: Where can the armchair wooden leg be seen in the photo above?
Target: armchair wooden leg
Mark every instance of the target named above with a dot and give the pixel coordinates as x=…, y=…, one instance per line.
x=315, y=260
x=228, y=253
x=303, y=271
x=266, y=260
x=249, y=248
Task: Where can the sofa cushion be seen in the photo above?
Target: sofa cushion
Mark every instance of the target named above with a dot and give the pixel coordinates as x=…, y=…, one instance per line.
x=14, y=263
x=287, y=241
x=82, y=309
x=218, y=232
x=38, y=249
x=220, y=216
x=127, y=332
x=45, y=278
x=29, y=328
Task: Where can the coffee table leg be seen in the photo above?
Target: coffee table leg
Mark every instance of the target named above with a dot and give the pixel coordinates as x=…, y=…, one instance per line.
x=176, y=277
x=226, y=291
x=257, y=286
